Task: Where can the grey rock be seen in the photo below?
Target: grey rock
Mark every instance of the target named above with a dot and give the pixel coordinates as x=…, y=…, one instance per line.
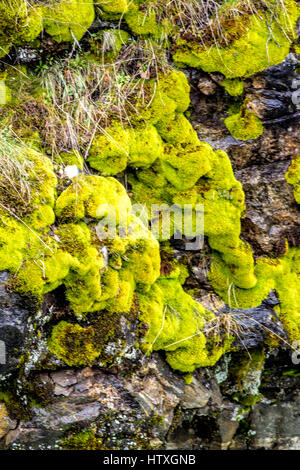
x=13, y=326
x=272, y=214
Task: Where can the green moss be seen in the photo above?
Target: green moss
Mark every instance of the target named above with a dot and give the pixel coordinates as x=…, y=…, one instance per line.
x=239, y=259
x=135, y=255
x=177, y=131
x=113, y=6
x=190, y=172
x=39, y=276
x=182, y=167
x=92, y=196
x=234, y=87
x=27, y=184
x=167, y=95
x=253, y=41
x=67, y=19
x=5, y=94
x=145, y=146
x=144, y=22
x=19, y=23
x=69, y=159
x=73, y=344
x=175, y=322
x=281, y=274
x=83, y=440
x=188, y=378
x=293, y=177
x=109, y=152
x=244, y=125
x=118, y=147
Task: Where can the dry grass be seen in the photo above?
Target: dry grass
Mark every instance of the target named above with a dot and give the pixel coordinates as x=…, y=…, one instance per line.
x=16, y=172
x=87, y=95
x=211, y=22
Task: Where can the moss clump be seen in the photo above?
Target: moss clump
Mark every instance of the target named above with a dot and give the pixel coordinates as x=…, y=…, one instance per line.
x=67, y=20
x=168, y=95
x=175, y=322
x=233, y=87
x=222, y=198
x=83, y=440
x=293, y=177
x=92, y=196
x=19, y=23
x=253, y=42
x=281, y=274
x=190, y=172
x=27, y=184
x=118, y=147
x=71, y=254
x=113, y=6
x=109, y=152
x=144, y=22
x=244, y=125
x=145, y=146
x=83, y=286
x=69, y=159
x=183, y=166
x=134, y=252
x=73, y=344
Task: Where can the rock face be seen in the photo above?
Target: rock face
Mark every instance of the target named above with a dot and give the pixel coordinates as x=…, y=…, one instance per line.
x=13, y=326
x=155, y=409
x=126, y=413
x=250, y=399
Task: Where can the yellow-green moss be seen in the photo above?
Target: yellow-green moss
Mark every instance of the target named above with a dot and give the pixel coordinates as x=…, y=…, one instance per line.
x=73, y=344
x=145, y=146
x=109, y=152
x=113, y=6
x=293, y=177
x=183, y=166
x=190, y=172
x=67, y=19
x=83, y=440
x=69, y=159
x=91, y=196
x=234, y=87
x=27, y=184
x=244, y=125
x=175, y=322
x=118, y=147
x=255, y=48
x=282, y=274
x=5, y=93
x=144, y=22
x=167, y=95
x=19, y=23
